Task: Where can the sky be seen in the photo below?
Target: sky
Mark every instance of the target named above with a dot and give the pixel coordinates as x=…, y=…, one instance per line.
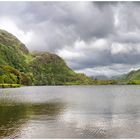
x=95, y=38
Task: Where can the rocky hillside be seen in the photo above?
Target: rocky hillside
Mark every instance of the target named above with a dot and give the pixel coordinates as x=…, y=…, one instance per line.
x=19, y=66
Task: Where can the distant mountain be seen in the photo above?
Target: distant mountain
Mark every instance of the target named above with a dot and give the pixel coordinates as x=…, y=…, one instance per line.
x=133, y=75
x=100, y=77
x=103, y=77
x=18, y=65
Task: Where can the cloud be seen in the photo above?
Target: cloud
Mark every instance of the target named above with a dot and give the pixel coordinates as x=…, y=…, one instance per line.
x=103, y=54
x=67, y=21
x=92, y=37
x=9, y=25
x=109, y=71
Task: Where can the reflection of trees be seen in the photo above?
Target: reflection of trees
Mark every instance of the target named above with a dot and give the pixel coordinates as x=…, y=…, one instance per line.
x=49, y=109
x=13, y=116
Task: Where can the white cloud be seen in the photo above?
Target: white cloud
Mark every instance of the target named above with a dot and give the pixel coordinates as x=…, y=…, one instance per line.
x=9, y=25
x=92, y=37
x=109, y=71
x=118, y=48
x=68, y=54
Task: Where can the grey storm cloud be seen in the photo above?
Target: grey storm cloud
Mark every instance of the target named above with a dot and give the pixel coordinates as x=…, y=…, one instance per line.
x=92, y=37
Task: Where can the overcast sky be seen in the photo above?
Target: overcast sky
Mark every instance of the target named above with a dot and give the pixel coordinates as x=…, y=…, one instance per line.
x=97, y=38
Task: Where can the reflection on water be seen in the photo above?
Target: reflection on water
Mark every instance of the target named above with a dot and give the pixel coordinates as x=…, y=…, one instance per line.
x=11, y=118
x=13, y=115
x=70, y=112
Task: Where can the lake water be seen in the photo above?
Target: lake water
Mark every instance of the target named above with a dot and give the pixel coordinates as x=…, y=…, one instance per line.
x=70, y=112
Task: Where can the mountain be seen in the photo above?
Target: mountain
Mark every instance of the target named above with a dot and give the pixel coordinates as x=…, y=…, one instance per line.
x=19, y=66
x=132, y=77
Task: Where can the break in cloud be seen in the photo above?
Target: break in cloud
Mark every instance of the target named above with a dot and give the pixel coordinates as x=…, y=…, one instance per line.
x=97, y=38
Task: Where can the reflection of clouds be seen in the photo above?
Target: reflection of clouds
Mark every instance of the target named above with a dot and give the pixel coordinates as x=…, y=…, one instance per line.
x=17, y=119
x=12, y=117
x=76, y=112
x=104, y=125
x=81, y=120
x=75, y=125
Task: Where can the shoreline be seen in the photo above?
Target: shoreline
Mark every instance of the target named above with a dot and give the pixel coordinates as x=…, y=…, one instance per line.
x=10, y=85
x=2, y=86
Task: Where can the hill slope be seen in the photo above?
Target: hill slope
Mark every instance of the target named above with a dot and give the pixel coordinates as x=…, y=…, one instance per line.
x=132, y=77
x=18, y=66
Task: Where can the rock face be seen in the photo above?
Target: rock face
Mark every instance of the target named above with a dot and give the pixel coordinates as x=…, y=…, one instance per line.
x=18, y=65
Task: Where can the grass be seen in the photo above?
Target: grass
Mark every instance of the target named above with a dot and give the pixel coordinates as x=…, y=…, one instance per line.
x=133, y=82
x=10, y=85
x=105, y=82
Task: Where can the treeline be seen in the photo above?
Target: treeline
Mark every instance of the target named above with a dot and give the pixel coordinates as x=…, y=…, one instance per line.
x=105, y=82
x=133, y=82
x=10, y=75
x=52, y=75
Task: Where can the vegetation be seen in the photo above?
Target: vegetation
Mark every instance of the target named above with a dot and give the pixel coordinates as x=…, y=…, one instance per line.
x=133, y=82
x=9, y=85
x=105, y=82
x=18, y=66
x=133, y=75
x=132, y=78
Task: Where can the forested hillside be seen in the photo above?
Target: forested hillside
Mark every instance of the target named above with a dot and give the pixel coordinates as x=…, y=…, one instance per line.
x=19, y=66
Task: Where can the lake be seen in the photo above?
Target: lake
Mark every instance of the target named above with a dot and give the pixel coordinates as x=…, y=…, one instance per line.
x=110, y=111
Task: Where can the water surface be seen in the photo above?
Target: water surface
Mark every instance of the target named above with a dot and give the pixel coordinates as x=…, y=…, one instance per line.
x=70, y=112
